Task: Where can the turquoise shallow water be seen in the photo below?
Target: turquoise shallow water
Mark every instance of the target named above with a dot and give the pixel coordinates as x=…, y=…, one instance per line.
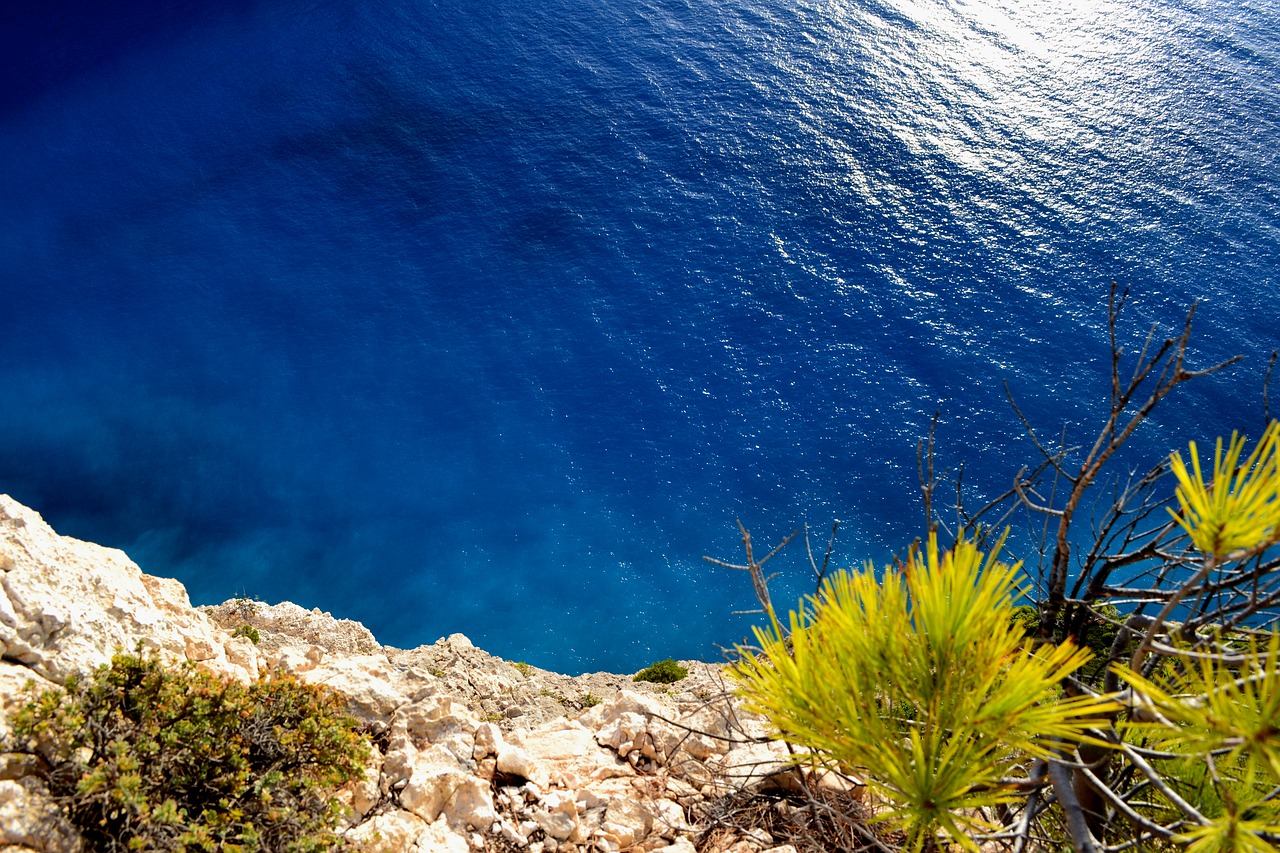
x=492, y=317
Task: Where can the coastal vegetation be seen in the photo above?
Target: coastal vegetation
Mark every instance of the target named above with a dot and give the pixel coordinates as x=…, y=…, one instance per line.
x=663, y=672
x=1119, y=691
x=923, y=681
x=144, y=756
x=1116, y=689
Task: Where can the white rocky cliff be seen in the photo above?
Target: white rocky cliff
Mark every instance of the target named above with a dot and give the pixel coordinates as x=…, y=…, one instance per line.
x=474, y=753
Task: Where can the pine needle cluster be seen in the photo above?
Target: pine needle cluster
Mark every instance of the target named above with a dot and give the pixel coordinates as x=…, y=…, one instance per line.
x=1237, y=509
x=1214, y=721
x=924, y=682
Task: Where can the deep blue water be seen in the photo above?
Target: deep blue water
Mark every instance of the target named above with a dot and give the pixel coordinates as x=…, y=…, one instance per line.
x=479, y=316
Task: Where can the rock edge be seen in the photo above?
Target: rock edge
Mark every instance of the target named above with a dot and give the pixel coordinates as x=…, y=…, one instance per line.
x=473, y=753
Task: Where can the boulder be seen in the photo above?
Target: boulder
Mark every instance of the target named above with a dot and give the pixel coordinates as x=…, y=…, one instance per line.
x=368, y=682
x=569, y=753
x=438, y=786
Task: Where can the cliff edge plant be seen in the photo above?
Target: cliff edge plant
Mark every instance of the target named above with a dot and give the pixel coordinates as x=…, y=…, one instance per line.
x=663, y=672
x=1171, y=575
x=921, y=682
x=141, y=756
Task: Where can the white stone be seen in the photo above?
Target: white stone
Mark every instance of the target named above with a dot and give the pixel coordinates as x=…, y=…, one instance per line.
x=509, y=832
x=711, y=734
x=627, y=821
x=557, y=825
x=242, y=653
x=668, y=818
x=570, y=753
x=459, y=641
x=367, y=681
x=441, y=838
x=435, y=718
x=439, y=787
x=68, y=605
x=471, y=804
x=390, y=832
x=628, y=702
x=747, y=764
x=514, y=761
x=29, y=819
x=488, y=741
x=291, y=659
x=426, y=776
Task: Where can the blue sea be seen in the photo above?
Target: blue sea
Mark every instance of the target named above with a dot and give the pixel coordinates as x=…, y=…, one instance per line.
x=492, y=317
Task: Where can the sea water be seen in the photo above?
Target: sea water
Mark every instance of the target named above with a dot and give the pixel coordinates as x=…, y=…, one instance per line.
x=492, y=317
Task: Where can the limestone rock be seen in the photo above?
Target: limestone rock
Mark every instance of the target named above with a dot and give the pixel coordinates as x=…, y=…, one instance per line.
x=368, y=682
x=438, y=786
x=400, y=831
x=286, y=625
x=66, y=606
x=569, y=753
x=473, y=752
x=440, y=838
x=29, y=819
x=514, y=761
x=680, y=845
x=557, y=824
x=488, y=741
x=396, y=831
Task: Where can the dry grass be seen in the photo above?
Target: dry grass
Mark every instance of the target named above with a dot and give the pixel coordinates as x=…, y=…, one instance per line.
x=823, y=822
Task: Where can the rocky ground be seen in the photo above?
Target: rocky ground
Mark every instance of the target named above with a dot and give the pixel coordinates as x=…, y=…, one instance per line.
x=474, y=753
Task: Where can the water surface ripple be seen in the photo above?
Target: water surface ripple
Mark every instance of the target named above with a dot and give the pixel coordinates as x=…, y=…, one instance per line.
x=492, y=317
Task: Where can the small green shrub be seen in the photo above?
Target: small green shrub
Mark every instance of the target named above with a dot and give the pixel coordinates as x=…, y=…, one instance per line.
x=590, y=700
x=248, y=631
x=141, y=756
x=663, y=672
x=523, y=668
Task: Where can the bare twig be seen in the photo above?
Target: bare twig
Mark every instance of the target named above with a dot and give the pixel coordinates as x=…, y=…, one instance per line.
x=759, y=582
x=1082, y=837
x=821, y=573
x=924, y=465
x=1266, y=388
